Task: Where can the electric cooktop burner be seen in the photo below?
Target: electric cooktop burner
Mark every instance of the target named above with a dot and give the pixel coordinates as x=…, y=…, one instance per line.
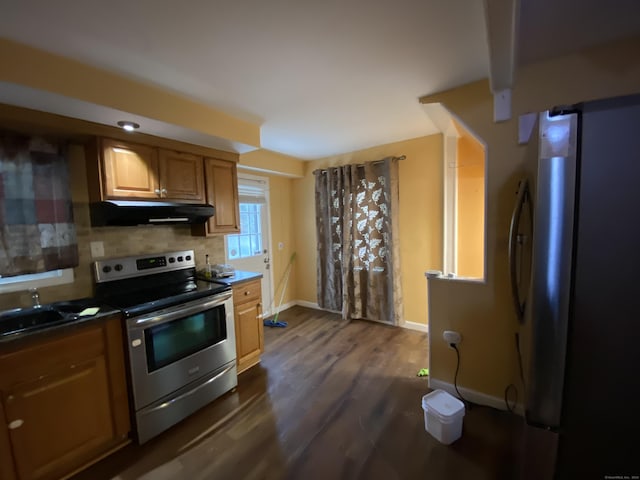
x=139, y=285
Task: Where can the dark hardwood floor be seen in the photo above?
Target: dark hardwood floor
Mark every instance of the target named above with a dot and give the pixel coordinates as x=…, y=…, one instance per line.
x=330, y=400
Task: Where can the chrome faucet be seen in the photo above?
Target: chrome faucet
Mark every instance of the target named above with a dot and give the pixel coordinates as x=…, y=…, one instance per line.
x=35, y=298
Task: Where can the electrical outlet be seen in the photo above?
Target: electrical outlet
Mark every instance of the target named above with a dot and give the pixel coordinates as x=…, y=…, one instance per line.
x=452, y=337
x=97, y=249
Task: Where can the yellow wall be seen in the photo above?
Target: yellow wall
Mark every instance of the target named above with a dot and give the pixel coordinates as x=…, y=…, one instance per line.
x=470, y=204
x=37, y=69
x=483, y=312
x=420, y=218
x=266, y=161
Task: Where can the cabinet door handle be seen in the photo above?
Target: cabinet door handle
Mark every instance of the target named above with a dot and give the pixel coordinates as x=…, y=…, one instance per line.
x=157, y=191
x=15, y=424
x=164, y=191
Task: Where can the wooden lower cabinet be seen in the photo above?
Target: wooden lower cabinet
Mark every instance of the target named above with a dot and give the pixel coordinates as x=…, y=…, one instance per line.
x=247, y=305
x=64, y=402
x=7, y=470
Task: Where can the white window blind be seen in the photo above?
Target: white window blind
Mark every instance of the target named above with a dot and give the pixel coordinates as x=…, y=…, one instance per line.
x=251, y=191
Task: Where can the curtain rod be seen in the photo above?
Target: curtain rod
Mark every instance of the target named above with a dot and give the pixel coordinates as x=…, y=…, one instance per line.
x=323, y=170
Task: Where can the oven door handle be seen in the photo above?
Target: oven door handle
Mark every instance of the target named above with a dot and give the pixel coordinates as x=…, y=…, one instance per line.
x=189, y=393
x=183, y=310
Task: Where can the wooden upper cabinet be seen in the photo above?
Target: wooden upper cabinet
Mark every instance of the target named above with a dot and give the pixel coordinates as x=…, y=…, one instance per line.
x=221, y=179
x=130, y=170
x=181, y=176
x=133, y=171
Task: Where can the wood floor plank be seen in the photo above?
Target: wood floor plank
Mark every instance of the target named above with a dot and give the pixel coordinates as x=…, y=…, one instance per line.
x=330, y=400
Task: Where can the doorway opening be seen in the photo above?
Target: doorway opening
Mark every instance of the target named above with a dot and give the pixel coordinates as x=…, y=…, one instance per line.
x=464, y=204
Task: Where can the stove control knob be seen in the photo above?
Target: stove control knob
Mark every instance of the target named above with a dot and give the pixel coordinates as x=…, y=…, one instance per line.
x=180, y=259
x=106, y=269
x=118, y=267
x=187, y=258
x=172, y=260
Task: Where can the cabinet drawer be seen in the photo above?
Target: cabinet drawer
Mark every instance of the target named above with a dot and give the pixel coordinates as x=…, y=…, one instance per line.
x=246, y=291
x=49, y=356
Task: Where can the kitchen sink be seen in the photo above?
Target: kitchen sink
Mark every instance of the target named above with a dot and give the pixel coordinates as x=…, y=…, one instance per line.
x=74, y=307
x=26, y=319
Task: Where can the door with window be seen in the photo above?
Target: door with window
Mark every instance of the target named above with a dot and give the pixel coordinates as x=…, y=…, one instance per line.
x=250, y=249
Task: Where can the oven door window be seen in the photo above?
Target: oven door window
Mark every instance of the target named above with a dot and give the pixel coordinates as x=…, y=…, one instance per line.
x=169, y=342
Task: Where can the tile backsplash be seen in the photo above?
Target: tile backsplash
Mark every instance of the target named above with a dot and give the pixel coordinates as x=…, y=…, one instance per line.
x=118, y=242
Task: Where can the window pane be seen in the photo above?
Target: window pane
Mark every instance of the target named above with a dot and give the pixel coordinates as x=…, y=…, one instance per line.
x=249, y=242
x=233, y=246
x=259, y=219
x=256, y=246
x=244, y=223
x=254, y=224
x=245, y=247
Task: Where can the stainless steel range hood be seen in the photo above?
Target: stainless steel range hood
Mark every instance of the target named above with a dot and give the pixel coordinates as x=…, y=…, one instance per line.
x=129, y=213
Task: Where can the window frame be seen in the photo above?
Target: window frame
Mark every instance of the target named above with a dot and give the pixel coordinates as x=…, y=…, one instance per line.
x=36, y=280
x=251, y=234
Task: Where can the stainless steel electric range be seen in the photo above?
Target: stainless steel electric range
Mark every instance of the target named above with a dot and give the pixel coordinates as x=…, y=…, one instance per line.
x=179, y=332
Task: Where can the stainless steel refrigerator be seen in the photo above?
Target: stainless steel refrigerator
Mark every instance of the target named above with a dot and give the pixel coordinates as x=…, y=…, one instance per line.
x=576, y=282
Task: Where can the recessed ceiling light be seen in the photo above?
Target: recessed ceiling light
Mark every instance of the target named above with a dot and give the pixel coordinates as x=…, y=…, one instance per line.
x=128, y=126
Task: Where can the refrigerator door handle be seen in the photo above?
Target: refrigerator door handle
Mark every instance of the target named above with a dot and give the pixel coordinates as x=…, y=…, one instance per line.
x=515, y=240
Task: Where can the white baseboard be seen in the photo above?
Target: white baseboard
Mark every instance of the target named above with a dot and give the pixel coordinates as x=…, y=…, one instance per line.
x=473, y=395
x=282, y=308
x=420, y=327
x=304, y=303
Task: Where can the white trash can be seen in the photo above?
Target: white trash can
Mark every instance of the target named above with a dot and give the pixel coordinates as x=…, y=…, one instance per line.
x=443, y=416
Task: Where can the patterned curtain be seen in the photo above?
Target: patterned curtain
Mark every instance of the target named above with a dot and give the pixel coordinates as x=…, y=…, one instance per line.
x=358, y=252
x=36, y=213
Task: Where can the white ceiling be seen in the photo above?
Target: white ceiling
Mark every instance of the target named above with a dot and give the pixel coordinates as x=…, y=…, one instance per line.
x=321, y=78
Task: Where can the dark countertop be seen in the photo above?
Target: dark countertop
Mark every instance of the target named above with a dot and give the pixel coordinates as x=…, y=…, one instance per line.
x=58, y=327
x=239, y=276
x=105, y=311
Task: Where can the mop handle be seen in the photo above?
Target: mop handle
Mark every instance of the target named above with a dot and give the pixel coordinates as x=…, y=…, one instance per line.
x=286, y=280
